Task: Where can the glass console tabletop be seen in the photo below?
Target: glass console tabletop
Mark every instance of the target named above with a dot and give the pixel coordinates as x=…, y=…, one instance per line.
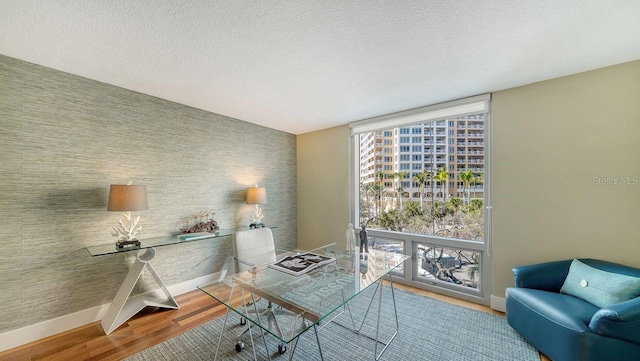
x=110, y=248
x=301, y=302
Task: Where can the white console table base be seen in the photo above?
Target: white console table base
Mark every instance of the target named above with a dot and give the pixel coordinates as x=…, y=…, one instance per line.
x=123, y=306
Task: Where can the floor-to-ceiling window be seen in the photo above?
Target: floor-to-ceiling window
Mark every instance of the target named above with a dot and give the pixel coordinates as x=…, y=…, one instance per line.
x=421, y=186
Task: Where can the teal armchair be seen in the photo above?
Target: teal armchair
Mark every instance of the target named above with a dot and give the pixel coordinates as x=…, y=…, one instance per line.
x=568, y=328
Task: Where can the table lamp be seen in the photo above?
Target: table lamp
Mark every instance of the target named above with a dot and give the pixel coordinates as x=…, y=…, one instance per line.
x=256, y=195
x=127, y=198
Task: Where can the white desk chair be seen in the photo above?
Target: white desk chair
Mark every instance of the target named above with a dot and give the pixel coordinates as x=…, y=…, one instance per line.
x=255, y=247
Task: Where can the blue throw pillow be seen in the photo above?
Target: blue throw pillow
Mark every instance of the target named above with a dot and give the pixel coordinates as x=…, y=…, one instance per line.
x=599, y=287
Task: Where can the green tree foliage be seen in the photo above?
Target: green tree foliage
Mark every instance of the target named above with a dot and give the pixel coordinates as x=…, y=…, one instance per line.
x=456, y=203
x=421, y=179
x=476, y=204
x=412, y=209
x=452, y=218
x=392, y=220
x=443, y=177
x=467, y=178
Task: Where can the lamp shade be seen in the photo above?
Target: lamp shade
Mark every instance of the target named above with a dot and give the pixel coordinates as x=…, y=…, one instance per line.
x=256, y=195
x=127, y=198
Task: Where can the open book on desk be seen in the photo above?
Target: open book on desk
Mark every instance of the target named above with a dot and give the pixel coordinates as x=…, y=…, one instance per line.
x=301, y=263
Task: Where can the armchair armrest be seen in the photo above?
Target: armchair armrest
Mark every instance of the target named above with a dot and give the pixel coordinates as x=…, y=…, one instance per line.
x=542, y=276
x=621, y=321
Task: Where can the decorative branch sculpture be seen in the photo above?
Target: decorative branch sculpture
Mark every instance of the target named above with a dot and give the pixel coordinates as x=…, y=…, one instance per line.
x=210, y=225
x=126, y=231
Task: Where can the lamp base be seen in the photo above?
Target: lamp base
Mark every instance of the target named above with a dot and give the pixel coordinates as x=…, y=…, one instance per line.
x=257, y=225
x=134, y=242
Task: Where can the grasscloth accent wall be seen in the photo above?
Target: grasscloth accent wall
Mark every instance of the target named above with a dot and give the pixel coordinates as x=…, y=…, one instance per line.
x=64, y=139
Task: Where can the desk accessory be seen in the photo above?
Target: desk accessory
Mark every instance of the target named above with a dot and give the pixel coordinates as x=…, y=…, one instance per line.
x=364, y=239
x=209, y=225
x=351, y=238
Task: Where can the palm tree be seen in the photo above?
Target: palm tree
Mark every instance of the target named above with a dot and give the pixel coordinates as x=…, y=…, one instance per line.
x=477, y=180
x=443, y=176
x=467, y=178
x=366, y=188
x=380, y=175
x=400, y=176
x=376, y=189
x=421, y=179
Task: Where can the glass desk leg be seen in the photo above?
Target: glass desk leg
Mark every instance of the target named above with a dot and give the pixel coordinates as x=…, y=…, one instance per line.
x=376, y=338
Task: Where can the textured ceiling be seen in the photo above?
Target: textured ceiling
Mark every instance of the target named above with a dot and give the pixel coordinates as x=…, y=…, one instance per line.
x=300, y=66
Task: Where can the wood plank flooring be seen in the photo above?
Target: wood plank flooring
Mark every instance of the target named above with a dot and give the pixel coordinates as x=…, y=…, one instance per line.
x=149, y=328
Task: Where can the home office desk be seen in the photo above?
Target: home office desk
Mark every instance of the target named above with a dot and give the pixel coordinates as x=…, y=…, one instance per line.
x=312, y=300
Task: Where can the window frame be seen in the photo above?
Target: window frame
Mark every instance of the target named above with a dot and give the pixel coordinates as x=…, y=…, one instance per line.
x=436, y=115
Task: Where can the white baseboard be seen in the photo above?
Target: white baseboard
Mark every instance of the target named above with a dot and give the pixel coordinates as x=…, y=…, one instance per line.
x=21, y=336
x=498, y=303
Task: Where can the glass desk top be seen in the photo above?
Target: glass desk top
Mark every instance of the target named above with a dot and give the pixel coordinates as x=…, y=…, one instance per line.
x=306, y=299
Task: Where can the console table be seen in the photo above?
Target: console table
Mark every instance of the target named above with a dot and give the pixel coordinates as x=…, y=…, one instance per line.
x=124, y=306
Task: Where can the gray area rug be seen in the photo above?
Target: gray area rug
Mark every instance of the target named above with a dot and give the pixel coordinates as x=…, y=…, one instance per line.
x=429, y=330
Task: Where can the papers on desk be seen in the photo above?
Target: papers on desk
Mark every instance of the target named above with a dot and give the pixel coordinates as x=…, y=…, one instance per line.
x=301, y=263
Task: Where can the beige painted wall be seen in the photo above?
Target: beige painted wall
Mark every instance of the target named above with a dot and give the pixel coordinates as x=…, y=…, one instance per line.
x=554, y=143
x=550, y=140
x=323, y=186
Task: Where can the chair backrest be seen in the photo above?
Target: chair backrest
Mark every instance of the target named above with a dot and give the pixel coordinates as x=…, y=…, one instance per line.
x=254, y=246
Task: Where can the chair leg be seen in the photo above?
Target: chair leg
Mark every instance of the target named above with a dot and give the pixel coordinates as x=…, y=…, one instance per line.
x=272, y=321
x=282, y=348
